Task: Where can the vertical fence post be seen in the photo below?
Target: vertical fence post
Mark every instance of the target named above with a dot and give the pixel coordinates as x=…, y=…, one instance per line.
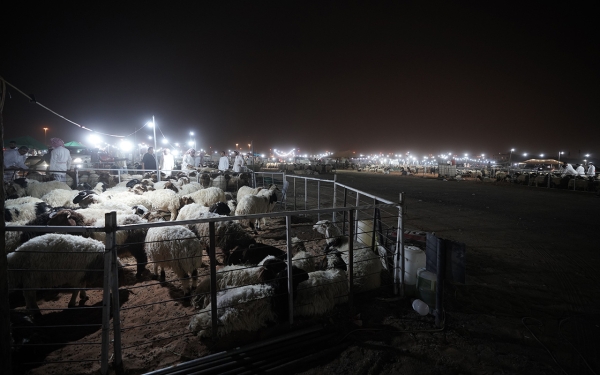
x=319, y=199
x=334, y=196
x=288, y=235
x=305, y=193
x=344, y=220
x=213, y=279
x=76, y=176
x=399, y=251
x=110, y=220
x=114, y=280
x=5, y=352
x=351, y=264
x=295, y=193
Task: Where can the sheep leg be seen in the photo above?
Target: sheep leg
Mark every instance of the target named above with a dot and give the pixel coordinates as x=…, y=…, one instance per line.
x=185, y=282
x=251, y=225
x=162, y=275
x=31, y=300
x=155, y=274
x=194, y=279
x=83, y=297
x=73, y=300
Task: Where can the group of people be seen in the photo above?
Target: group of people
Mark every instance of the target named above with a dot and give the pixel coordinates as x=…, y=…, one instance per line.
x=579, y=171
x=238, y=162
x=166, y=164
x=58, y=158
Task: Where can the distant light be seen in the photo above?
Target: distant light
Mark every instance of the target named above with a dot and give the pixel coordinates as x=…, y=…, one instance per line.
x=191, y=143
x=512, y=150
x=175, y=152
x=191, y=133
x=165, y=141
x=150, y=123
x=126, y=146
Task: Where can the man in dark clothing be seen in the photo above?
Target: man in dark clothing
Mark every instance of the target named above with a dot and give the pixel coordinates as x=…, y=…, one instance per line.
x=148, y=161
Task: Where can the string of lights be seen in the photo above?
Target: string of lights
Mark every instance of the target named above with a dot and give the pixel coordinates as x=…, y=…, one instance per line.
x=32, y=99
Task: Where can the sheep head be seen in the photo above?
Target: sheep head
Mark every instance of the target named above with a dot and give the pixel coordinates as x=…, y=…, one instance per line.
x=66, y=218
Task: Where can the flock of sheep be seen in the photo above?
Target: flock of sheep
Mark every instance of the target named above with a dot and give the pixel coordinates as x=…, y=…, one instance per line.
x=253, y=273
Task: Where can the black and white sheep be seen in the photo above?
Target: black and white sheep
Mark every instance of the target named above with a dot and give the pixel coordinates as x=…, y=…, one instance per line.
x=56, y=260
x=366, y=265
x=250, y=307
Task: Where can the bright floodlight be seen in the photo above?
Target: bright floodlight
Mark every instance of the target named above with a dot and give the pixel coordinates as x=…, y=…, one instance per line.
x=542, y=155
x=165, y=141
x=191, y=143
x=191, y=133
x=512, y=150
x=94, y=139
x=126, y=146
x=175, y=152
x=150, y=123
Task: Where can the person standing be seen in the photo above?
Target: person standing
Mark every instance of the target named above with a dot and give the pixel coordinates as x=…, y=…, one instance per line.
x=223, y=162
x=591, y=172
x=149, y=161
x=188, y=164
x=167, y=162
x=580, y=171
x=238, y=162
x=199, y=159
x=14, y=160
x=60, y=160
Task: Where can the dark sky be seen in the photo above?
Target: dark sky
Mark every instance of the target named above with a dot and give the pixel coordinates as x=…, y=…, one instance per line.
x=378, y=76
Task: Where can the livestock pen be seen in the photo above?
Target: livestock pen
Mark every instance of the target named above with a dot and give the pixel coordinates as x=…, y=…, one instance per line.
x=142, y=324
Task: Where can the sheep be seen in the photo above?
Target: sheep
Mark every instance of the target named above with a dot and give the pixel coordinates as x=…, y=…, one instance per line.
x=253, y=254
x=323, y=289
x=256, y=204
x=80, y=261
x=39, y=189
x=24, y=211
x=366, y=265
x=15, y=189
x=247, y=190
x=249, y=308
x=167, y=200
x=196, y=211
x=61, y=198
x=178, y=248
x=207, y=196
x=189, y=188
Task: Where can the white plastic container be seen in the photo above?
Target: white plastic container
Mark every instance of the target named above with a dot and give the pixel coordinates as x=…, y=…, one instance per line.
x=414, y=258
x=426, y=286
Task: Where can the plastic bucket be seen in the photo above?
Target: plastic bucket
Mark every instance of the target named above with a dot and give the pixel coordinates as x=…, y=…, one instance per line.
x=426, y=286
x=414, y=258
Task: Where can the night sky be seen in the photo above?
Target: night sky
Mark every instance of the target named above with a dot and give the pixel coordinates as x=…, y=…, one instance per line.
x=428, y=77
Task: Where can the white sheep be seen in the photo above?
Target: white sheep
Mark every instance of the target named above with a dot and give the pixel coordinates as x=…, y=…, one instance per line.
x=164, y=199
x=366, y=264
x=39, y=189
x=250, y=307
x=247, y=190
x=256, y=204
x=61, y=198
x=255, y=314
x=178, y=248
x=77, y=262
x=208, y=196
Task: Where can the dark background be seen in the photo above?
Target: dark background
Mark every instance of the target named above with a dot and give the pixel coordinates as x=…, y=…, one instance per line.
x=461, y=77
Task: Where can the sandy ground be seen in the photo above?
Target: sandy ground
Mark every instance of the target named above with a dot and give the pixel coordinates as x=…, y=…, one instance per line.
x=530, y=304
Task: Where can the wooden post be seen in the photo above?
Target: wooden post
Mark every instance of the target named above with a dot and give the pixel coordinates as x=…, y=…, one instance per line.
x=213, y=279
x=110, y=220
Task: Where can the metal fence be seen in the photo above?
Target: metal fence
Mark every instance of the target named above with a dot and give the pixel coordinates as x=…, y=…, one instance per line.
x=374, y=224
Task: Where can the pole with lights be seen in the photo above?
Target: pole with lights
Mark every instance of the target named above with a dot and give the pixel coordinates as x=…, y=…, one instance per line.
x=510, y=159
x=45, y=130
x=155, y=155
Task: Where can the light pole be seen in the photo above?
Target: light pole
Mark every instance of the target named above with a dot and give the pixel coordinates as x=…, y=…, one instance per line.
x=510, y=159
x=45, y=130
x=559, y=154
x=155, y=157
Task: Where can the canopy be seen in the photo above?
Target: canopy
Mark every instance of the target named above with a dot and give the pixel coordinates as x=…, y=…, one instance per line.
x=541, y=161
x=74, y=144
x=26, y=141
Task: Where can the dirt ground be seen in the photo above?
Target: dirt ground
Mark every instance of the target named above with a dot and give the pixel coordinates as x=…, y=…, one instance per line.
x=530, y=304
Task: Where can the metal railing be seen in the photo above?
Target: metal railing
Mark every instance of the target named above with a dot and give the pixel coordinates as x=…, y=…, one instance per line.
x=361, y=216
